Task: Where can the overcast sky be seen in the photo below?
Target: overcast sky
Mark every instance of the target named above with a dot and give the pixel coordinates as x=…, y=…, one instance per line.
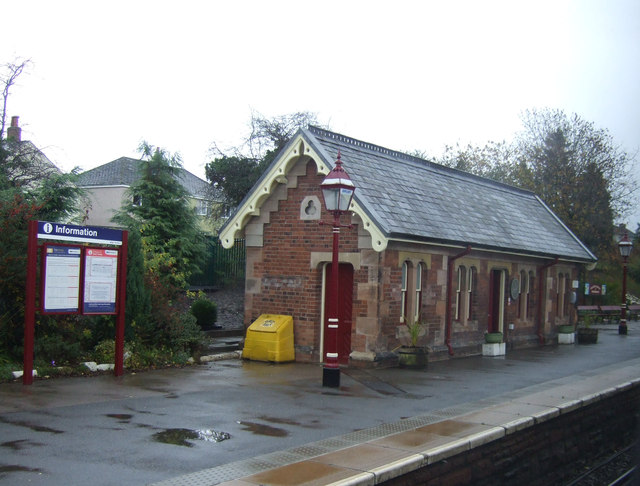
x=407, y=75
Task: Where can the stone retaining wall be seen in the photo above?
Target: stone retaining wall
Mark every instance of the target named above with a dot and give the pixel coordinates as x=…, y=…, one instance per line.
x=544, y=454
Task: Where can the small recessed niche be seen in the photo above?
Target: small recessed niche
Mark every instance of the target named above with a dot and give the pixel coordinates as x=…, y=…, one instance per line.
x=310, y=208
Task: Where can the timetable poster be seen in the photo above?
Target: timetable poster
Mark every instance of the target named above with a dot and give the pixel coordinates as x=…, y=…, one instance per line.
x=61, y=279
x=100, y=281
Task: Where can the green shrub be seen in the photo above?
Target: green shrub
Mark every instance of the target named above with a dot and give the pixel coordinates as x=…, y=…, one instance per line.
x=105, y=351
x=143, y=356
x=205, y=312
x=54, y=348
x=184, y=333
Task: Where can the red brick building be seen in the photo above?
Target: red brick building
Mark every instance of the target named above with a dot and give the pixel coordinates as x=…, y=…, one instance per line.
x=461, y=254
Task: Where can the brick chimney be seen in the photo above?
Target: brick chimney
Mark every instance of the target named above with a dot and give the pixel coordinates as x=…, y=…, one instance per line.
x=14, y=131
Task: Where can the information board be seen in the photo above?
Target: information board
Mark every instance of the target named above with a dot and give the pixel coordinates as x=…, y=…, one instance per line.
x=61, y=278
x=100, y=281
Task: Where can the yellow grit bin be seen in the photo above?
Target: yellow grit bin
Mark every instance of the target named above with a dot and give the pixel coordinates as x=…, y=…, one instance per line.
x=270, y=338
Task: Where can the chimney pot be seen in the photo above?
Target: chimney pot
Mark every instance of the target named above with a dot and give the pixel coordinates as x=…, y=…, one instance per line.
x=14, y=131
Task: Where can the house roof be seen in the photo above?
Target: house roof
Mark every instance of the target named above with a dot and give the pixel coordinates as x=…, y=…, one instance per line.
x=411, y=199
x=30, y=164
x=125, y=171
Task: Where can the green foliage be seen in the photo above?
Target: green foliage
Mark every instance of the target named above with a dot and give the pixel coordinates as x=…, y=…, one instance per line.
x=576, y=168
x=154, y=357
x=234, y=171
x=56, y=348
x=414, y=332
x=138, y=305
x=234, y=175
x=184, y=334
x=205, y=312
x=104, y=351
x=172, y=243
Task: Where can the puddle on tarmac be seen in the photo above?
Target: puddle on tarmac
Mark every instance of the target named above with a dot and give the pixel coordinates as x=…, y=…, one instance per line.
x=182, y=437
x=15, y=468
x=277, y=420
x=123, y=418
x=263, y=429
x=34, y=427
x=18, y=445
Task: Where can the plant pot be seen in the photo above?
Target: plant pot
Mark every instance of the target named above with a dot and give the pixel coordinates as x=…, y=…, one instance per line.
x=412, y=357
x=587, y=335
x=566, y=329
x=493, y=337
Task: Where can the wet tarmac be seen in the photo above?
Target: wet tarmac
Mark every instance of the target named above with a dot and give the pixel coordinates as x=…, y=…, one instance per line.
x=157, y=425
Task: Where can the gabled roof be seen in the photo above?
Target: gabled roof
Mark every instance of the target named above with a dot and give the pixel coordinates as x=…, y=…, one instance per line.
x=28, y=163
x=125, y=171
x=401, y=197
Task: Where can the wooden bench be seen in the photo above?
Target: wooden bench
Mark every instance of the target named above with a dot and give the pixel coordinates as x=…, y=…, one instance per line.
x=601, y=313
x=610, y=314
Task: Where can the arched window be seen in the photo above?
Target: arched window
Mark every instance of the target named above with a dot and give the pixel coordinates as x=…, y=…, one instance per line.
x=403, y=291
x=560, y=295
x=530, y=290
x=471, y=285
x=567, y=294
x=418, y=293
x=459, y=290
x=522, y=301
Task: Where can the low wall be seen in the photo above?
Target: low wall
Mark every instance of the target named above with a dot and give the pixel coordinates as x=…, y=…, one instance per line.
x=543, y=454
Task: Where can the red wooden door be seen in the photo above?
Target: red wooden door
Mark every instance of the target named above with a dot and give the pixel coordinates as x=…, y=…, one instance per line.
x=345, y=306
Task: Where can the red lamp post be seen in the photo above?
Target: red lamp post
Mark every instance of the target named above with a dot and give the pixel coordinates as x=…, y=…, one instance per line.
x=625, y=246
x=337, y=191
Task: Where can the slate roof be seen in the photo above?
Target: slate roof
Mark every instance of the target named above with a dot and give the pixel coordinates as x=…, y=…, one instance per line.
x=32, y=164
x=413, y=199
x=125, y=171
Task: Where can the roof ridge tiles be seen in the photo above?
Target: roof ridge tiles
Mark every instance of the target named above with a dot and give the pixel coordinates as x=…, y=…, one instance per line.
x=412, y=158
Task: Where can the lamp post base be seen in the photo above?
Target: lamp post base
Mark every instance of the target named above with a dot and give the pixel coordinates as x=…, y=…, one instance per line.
x=622, y=328
x=331, y=377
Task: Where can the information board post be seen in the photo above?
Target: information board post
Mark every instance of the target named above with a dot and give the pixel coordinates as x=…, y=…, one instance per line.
x=30, y=303
x=122, y=289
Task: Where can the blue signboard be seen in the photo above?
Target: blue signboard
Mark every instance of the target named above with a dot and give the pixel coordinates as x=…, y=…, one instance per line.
x=74, y=233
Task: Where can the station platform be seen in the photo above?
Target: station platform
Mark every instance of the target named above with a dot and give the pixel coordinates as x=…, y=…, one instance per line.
x=378, y=454
x=236, y=422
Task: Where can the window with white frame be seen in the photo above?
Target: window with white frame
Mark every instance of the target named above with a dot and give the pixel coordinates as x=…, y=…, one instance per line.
x=411, y=292
x=459, y=290
x=522, y=301
x=418, y=292
x=202, y=207
x=403, y=292
x=471, y=282
x=530, y=286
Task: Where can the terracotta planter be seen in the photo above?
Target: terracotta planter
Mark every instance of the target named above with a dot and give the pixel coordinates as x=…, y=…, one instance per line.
x=587, y=335
x=493, y=337
x=412, y=357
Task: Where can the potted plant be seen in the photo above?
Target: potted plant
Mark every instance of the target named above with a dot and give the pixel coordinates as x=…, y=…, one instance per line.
x=585, y=333
x=493, y=337
x=413, y=356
